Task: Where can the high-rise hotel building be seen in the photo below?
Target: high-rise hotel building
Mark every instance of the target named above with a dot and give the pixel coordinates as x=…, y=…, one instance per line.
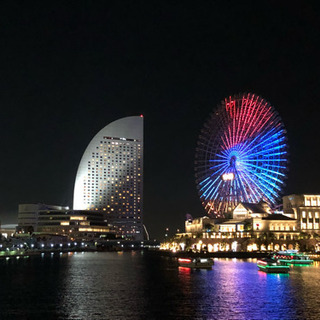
x=110, y=176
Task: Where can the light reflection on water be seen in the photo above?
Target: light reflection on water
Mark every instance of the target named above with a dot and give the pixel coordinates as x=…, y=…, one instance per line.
x=143, y=286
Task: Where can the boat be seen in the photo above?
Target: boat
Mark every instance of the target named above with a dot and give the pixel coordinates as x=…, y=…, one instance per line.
x=200, y=263
x=271, y=266
x=292, y=257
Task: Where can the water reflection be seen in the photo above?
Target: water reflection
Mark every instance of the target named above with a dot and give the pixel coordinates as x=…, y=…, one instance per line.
x=104, y=287
x=235, y=289
x=139, y=286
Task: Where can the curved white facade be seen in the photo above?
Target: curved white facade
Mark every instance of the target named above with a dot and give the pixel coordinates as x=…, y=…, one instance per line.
x=110, y=175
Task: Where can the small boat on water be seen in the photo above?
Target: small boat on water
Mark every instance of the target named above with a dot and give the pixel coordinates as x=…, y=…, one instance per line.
x=271, y=266
x=293, y=257
x=201, y=263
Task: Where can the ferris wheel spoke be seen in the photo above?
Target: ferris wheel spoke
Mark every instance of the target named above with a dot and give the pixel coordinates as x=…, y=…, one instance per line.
x=267, y=160
x=239, y=182
x=259, y=137
x=264, y=189
x=204, y=180
x=254, y=114
x=264, y=143
x=215, y=160
x=268, y=175
x=263, y=139
x=210, y=182
x=267, y=181
x=217, y=166
x=265, y=153
x=221, y=156
x=267, y=169
x=245, y=179
x=213, y=191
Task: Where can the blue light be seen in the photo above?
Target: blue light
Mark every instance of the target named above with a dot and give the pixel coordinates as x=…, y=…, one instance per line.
x=244, y=155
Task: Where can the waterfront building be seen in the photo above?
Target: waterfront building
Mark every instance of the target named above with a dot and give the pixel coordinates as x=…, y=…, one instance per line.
x=110, y=176
x=305, y=208
x=253, y=227
x=7, y=230
x=28, y=215
x=246, y=210
x=196, y=225
x=281, y=226
x=59, y=220
x=263, y=220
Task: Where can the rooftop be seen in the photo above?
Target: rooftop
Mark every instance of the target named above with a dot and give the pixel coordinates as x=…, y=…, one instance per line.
x=277, y=216
x=254, y=207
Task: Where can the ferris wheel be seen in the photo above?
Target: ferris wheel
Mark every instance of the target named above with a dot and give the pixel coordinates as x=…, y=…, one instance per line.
x=241, y=155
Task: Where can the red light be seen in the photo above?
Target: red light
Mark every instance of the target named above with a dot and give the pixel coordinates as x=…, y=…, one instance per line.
x=184, y=260
x=184, y=270
x=141, y=115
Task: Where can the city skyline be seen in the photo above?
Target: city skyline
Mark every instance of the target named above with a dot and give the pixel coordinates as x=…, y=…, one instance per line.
x=68, y=71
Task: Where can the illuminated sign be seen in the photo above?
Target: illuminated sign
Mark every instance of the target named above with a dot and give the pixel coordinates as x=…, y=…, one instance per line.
x=227, y=176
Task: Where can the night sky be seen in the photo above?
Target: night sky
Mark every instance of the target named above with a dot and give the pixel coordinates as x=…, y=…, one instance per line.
x=68, y=68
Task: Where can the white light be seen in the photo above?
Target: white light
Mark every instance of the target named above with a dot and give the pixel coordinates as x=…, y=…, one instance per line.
x=227, y=176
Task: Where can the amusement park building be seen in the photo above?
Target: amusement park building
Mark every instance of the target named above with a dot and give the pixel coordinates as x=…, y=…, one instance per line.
x=110, y=176
x=255, y=218
x=252, y=225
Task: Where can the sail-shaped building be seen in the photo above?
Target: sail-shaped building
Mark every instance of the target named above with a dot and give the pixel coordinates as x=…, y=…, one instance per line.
x=110, y=176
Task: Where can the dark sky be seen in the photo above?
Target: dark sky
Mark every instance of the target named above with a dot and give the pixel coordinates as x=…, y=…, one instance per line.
x=68, y=68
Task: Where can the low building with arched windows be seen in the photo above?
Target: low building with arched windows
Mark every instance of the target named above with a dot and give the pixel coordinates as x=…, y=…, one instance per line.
x=253, y=227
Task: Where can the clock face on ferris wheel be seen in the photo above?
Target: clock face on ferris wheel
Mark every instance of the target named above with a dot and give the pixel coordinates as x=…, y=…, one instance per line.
x=241, y=155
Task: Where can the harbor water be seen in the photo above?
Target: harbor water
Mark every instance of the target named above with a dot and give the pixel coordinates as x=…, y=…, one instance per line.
x=140, y=285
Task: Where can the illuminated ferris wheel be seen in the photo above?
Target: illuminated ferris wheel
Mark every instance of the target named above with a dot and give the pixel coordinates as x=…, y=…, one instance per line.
x=241, y=155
